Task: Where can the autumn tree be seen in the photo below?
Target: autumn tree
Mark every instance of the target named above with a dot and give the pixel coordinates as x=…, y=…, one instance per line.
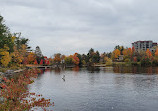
x=84, y=58
x=125, y=52
x=115, y=54
x=72, y=60
x=68, y=60
x=93, y=57
x=17, y=56
x=148, y=53
x=62, y=58
x=75, y=59
x=80, y=59
x=128, y=54
x=5, y=56
x=41, y=62
x=16, y=96
x=156, y=52
x=57, y=59
x=120, y=48
x=35, y=63
x=108, y=62
x=155, y=61
x=31, y=57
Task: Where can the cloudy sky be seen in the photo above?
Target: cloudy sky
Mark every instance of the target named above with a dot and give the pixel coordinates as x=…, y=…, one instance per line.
x=69, y=26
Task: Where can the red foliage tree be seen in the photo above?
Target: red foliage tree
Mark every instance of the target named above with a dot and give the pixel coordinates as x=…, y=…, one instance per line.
x=135, y=59
x=35, y=62
x=17, y=97
x=41, y=62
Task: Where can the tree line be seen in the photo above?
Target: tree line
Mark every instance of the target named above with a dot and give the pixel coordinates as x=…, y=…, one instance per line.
x=15, y=51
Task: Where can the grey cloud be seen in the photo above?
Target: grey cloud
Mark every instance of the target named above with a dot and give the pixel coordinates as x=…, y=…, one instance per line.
x=68, y=26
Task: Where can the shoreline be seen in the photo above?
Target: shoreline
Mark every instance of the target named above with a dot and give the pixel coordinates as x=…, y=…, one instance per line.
x=10, y=72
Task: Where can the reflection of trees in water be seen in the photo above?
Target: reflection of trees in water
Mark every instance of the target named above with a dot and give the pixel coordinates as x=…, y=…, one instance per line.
x=115, y=69
x=93, y=69
x=142, y=83
x=57, y=70
x=135, y=69
x=76, y=69
x=122, y=69
x=42, y=71
x=135, y=82
x=149, y=70
x=156, y=70
x=45, y=70
x=107, y=70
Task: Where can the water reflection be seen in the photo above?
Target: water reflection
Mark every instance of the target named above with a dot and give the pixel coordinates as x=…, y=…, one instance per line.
x=57, y=70
x=100, y=88
x=116, y=69
x=76, y=69
x=93, y=69
x=135, y=70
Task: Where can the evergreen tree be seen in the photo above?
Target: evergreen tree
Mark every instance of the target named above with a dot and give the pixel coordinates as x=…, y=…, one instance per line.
x=38, y=52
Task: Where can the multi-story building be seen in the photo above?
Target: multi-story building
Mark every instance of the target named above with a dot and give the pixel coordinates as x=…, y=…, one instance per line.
x=143, y=45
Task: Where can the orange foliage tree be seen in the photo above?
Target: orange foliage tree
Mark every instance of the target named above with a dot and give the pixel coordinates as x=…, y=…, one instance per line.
x=148, y=53
x=57, y=58
x=50, y=61
x=128, y=53
x=19, y=54
x=31, y=57
x=35, y=62
x=156, y=52
x=116, y=54
x=133, y=50
x=156, y=57
x=75, y=59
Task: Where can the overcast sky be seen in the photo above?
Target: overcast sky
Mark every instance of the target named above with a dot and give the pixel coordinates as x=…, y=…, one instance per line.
x=69, y=26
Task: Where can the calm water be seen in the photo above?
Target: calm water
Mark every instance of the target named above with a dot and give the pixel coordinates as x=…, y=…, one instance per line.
x=100, y=89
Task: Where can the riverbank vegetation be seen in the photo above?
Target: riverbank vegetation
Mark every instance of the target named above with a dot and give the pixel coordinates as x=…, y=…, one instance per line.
x=16, y=54
x=16, y=97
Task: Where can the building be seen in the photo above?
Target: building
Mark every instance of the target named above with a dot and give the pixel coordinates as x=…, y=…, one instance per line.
x=120, y=58
x=143, y=45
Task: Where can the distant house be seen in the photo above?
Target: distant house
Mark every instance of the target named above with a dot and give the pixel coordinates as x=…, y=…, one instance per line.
x=120, y=58
x=143, y=45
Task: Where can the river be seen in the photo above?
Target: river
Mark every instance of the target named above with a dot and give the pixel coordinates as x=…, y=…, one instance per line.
x=100, y=89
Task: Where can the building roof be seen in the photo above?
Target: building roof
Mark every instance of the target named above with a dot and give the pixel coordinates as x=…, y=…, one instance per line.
x=143, y=41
